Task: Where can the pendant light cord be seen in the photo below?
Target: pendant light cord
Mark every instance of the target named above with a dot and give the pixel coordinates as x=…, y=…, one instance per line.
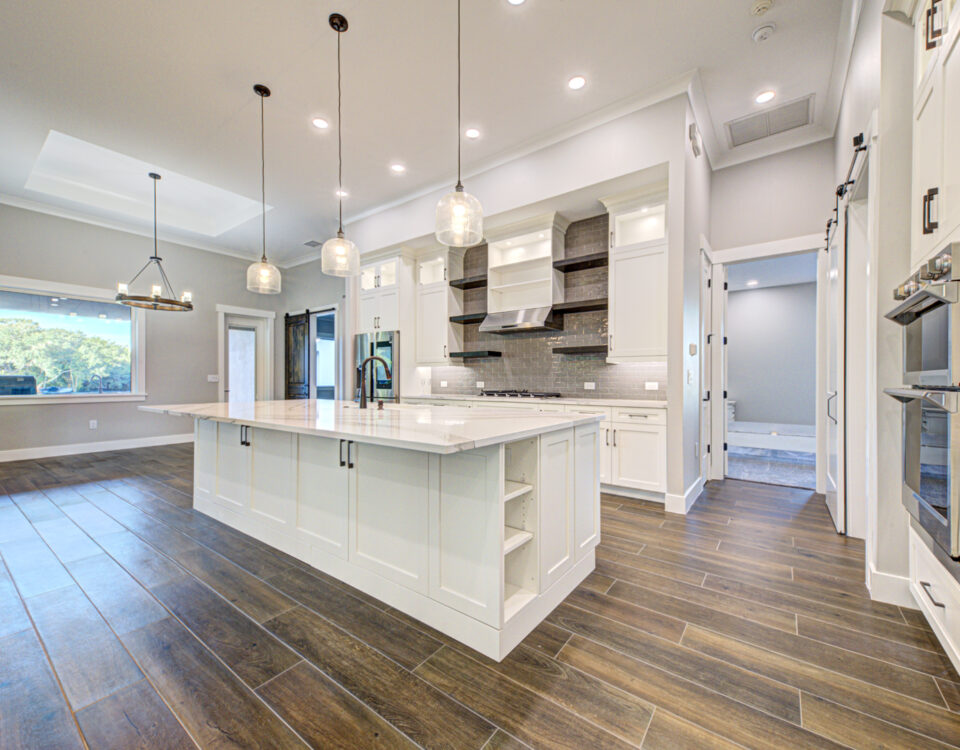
x=263, y=190
x=339, y=139
x=459, y=138
x=155, y=253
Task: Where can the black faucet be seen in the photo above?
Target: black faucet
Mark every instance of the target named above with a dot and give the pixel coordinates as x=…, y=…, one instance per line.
x=363, y=378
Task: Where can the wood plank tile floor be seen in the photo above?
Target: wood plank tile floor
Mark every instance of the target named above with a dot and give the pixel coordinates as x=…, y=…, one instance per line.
x=127, y=620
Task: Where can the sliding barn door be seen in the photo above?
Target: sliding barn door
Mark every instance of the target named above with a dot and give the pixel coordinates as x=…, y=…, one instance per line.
x=297, y=355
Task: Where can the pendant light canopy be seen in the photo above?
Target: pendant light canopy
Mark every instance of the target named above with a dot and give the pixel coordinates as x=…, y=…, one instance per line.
x=162, y=296
x=263, y=277
x=339, y=256
x=459, y=214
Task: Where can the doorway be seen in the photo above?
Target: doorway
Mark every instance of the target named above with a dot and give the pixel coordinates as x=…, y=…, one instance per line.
x=771, y=370
x=323, y=350
x=245, y=344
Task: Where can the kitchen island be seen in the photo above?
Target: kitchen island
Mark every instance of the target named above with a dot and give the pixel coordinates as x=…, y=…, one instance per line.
x=477, y=522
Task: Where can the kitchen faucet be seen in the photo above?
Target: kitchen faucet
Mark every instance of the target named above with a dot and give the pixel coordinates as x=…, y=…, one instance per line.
x=373, y=377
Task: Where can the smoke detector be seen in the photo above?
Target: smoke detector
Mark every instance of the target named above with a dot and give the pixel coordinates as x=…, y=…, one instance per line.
x=760, y=7
x=763, y=33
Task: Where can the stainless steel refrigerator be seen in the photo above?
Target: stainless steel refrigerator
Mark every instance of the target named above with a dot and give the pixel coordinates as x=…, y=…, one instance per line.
x=384, y=344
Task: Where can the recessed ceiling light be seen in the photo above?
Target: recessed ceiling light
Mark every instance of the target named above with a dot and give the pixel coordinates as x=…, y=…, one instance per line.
x=577, y=82
x=398, y=168
x=471, y=133
x=343, y=193
x=516, y=2
x=752, y=282
x=319, y=122
x=765, y=96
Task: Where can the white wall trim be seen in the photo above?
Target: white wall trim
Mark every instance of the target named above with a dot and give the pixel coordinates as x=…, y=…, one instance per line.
x=70, y=449
x=265, y=358
x=681, y=504
x=788, y=246
x=889, y=588
x=614, y=490
x=71, y=398
x=253, y=312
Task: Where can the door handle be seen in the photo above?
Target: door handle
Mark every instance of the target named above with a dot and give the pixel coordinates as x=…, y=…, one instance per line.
x=342, y=462
x=614, y=438
x=830, y=396
x=244, y=434
x=349, y=454
x=929, y=225
x=607, y=437
x=925, y=585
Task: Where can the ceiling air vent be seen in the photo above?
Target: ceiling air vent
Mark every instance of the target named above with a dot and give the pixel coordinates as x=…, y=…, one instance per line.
x=313, y=243
x=780, y=119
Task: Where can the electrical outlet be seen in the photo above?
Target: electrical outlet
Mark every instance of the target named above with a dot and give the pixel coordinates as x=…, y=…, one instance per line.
x=213, y=378
x=443, y=383
x=589, y=386
x=479, y=384
x=651, y=385
x=93, y=424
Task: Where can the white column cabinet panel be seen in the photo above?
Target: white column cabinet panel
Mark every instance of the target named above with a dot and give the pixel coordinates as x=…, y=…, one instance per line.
x=639, y=456
x=233, y=468
x=389, y=514
x=323, y=486
x=465, y=531
x=556, y=506
x=204, y=458
x=273, y=476
x=638, y=304
x=586, y=522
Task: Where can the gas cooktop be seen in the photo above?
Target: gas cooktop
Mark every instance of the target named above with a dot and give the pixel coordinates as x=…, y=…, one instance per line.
x=513, y=393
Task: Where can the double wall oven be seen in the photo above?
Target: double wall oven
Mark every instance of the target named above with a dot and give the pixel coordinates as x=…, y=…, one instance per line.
x=929, y=312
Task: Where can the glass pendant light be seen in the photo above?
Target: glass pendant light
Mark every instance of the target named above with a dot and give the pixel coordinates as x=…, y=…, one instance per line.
x=162, y=296
x=263, y=277
x=339, y=256
x=459, y=214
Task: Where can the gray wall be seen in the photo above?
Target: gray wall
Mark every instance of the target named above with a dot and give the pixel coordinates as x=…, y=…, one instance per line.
x=785, y=195
x=771, y=353
x=181, y=348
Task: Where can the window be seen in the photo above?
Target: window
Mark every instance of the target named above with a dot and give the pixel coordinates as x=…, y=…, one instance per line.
x=67, y=345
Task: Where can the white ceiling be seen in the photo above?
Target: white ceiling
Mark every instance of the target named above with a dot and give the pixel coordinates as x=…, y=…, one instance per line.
x=169, y=82
x=779, y=271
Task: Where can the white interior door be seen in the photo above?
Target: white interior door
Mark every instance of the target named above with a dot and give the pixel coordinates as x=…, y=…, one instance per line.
x=245, y=359
x=834, y=402
x=706, y=342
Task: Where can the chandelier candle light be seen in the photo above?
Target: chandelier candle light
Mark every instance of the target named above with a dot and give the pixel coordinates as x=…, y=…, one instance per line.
x=156, y=300
x=339, y=256
x=263, y=277
x=459, y=214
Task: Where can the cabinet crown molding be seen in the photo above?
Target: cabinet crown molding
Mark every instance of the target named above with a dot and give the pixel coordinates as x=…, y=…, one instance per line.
x=543, y=222
x=649, y=194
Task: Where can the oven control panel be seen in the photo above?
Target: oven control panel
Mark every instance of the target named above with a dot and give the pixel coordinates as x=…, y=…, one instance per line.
x=936, y=270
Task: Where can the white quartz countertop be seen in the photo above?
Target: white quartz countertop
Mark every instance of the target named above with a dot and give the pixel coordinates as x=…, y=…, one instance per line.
x=433, y=429
x=624, y=402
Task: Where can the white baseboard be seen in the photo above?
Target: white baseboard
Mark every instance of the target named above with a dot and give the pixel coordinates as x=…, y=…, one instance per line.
x=889, y=588
x=682, y=503
x=49, y=451
x=611, y=489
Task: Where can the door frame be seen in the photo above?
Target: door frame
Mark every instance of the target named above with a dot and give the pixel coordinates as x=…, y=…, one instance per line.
x=718, y=372
x=263, y=321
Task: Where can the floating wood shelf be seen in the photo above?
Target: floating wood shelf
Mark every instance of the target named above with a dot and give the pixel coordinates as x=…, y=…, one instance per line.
x=590, y=305
x=598, y=349
x=514, y=539
x=513, y=490
x=470, y=282
x=583, y=262
x=483, y=354
x=471, y=318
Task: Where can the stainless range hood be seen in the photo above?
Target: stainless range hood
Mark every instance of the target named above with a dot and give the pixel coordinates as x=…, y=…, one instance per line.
x=522, y=321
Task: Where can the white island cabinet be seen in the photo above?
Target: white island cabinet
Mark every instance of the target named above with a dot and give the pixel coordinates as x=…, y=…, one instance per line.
x=477, y=522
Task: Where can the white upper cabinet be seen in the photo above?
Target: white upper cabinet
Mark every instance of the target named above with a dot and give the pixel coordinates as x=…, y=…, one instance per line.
x=926, y=194
x=637, y=329
x=950, y=176
x=437, y=302
x=379, y=308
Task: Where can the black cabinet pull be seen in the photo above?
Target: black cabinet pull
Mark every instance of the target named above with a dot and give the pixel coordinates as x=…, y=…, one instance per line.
x=933, y=33
x=926, y=590
x=244, y=435
x=349, y=454
x=342, y=462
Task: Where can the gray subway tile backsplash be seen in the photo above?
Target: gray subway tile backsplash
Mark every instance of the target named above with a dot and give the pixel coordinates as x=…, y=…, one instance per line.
x=528, y=360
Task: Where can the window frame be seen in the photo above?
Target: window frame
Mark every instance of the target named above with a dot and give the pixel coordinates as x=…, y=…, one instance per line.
x=138, y=340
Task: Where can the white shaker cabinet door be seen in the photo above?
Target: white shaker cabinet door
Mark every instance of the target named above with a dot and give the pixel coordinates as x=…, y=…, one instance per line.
x=640, y=456
x=389, y=312
x=233, y=468
x=638, y=304
x=432, y=324
x=322, y=494
x=205, y=459
x=950, y=213
x=273, y=476
x=369, y=309
x=586, y=521
x=927, y=195
x=556, y=506
x=389, y=528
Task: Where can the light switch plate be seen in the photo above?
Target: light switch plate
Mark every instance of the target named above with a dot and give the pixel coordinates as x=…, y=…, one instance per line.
x=443, y=383
x=93, y=424
x=479, y=384
x=213, y=378
x=589, y=386
x=651, y=385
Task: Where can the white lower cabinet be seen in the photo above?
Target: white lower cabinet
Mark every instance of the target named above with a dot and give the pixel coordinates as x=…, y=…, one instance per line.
x=586, y=477
x=232, y=481
x=557, y=490
x=937, y=594
x=323, y=487
x=639, y=458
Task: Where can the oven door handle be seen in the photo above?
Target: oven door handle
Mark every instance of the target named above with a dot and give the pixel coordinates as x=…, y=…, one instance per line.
x=942, y=400
x=924, y=300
